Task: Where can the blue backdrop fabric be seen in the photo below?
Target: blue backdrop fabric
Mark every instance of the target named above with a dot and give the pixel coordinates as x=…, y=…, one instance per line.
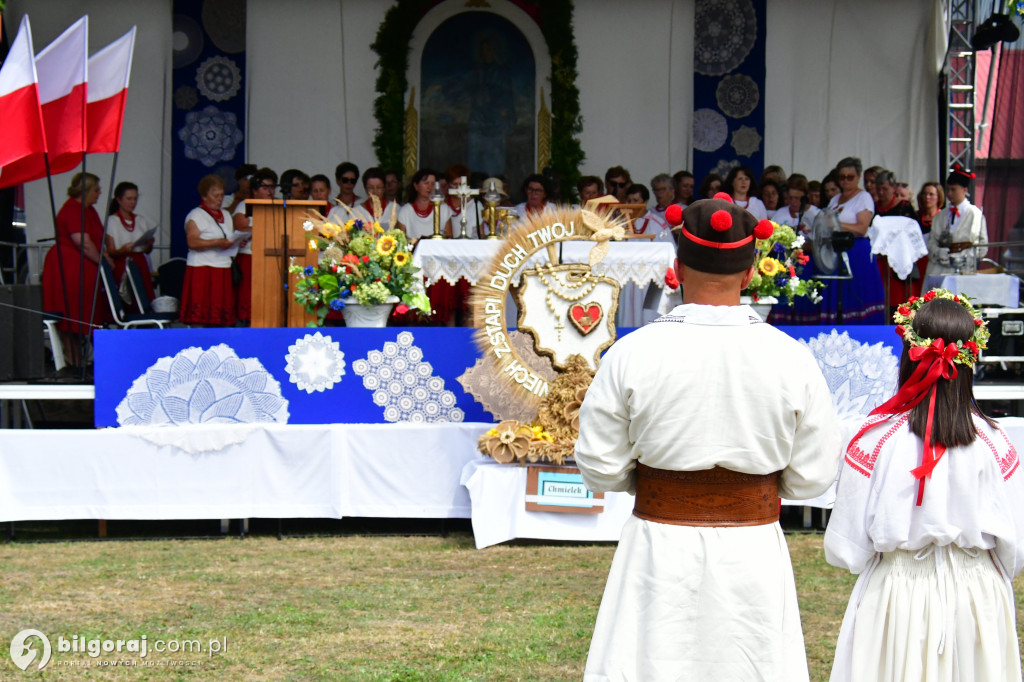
x=341, y=375
x=728, y=86
x=208, y=118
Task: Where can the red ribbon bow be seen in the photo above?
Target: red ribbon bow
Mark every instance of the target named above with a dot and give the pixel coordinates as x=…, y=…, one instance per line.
x=934, y=362
x=955, y=211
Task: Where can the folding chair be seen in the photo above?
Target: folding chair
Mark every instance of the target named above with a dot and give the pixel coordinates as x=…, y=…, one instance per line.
x=123, y=319
x=139, y=293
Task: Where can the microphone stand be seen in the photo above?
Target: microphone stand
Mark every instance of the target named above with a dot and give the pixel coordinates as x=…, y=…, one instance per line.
x=286, y=193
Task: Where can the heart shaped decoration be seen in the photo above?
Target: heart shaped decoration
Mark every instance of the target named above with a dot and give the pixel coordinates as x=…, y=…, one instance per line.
x=585, y=316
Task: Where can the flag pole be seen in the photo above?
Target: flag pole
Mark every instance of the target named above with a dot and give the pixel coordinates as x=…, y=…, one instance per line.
x=81, y=269
x=56, y=236
x=103, y=238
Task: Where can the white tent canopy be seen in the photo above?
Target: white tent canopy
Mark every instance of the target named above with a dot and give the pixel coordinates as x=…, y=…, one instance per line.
x=842, y=79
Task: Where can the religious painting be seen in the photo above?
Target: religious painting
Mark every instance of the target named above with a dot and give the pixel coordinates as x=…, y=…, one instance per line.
x=478, y=97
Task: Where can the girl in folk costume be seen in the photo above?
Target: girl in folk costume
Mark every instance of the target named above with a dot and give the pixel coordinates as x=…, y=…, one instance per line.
x=930, y=513
x=124, y=231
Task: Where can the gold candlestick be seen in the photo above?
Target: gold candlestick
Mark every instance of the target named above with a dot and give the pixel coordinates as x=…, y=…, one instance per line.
x=491, y=198
x=503, y=222
x=436, y=198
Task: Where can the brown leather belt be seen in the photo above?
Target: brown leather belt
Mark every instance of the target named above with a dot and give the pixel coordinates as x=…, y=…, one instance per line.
x=712, y=497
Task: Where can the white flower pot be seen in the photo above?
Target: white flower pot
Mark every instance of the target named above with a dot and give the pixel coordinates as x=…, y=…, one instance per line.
x=763, y=305
x=357, y=315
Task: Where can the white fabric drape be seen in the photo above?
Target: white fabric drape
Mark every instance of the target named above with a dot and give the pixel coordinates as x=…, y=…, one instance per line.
x=853, y=79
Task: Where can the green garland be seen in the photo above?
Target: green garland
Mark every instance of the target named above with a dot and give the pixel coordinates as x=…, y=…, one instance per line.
x=392, y=48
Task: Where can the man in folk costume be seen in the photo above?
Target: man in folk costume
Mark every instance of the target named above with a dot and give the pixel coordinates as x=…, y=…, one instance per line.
x=956, y=227
x=707, y=415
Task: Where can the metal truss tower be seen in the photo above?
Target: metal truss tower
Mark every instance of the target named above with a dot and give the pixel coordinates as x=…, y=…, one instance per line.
x=959, y=76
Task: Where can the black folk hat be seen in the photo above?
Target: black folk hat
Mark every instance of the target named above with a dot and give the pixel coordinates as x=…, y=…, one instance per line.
x=717, y=236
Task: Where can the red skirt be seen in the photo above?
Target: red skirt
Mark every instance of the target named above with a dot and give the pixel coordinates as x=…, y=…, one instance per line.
x=208, y=296
x=77, y=305
x=902, y=289
x=243, y=307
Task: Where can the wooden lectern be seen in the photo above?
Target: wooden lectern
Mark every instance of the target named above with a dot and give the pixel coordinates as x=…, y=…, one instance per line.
x=272, y=304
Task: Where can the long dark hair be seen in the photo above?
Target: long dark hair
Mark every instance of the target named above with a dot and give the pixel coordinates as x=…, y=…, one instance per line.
x=944, y=319
x=754, y=191
x=410, y=189
x=119, y=191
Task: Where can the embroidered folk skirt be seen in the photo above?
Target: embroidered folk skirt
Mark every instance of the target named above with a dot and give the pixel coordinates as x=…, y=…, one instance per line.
x=940, y=614
x=208, y=296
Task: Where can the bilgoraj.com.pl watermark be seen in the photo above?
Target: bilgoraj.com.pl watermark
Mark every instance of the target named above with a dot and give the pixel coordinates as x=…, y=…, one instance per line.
x=33, y=647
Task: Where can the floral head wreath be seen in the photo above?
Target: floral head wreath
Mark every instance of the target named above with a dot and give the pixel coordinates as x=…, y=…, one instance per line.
x=967, y=351
x=935, y=360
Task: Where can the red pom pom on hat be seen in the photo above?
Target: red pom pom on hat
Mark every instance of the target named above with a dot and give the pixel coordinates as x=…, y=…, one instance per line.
x=723, y=196
x=721, y=220
x=763, y=230
x=674, y=215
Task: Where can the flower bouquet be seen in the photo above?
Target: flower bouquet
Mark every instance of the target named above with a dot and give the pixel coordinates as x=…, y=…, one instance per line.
x=358, y=261
x=778, y=262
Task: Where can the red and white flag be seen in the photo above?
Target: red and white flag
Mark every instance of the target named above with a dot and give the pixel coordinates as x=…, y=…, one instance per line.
x=22, y=142
x=109, y=70
x=62, y=68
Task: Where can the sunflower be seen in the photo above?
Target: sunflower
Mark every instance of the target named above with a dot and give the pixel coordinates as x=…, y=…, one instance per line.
x=401, y=258
x=769, y=267
x=386, y=245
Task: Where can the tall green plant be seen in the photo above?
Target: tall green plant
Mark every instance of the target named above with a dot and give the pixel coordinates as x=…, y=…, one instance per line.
x=392, y=48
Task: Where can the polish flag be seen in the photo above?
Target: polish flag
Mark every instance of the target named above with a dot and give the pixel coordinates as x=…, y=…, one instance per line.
x=109, y=70
x=22, y=143
x=62, y=68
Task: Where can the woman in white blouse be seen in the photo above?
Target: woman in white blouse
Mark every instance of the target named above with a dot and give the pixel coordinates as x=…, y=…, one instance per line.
x=741, y=186
x=416, y=218
x=862, y=298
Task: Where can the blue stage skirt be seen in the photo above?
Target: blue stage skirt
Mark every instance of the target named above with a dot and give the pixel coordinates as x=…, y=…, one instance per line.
x=862, y=297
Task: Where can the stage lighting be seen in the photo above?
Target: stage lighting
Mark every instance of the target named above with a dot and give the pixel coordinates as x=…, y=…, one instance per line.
x=997, y=28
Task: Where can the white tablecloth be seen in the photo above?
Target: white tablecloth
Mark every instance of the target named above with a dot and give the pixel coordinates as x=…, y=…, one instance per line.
x=995, y=289
x=640, y=262
x=634, y=264
x=383, y=470
x=498, y=493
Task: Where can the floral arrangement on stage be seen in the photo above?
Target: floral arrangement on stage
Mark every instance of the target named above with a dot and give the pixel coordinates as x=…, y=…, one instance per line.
x=779, y=260
x=552, y=435
x=359, y=261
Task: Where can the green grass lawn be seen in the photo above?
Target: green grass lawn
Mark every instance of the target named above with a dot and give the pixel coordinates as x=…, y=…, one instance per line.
x=344, y=608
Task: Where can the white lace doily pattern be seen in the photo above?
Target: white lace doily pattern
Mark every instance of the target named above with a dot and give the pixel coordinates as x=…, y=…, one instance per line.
x=483, y=383
x=724, y=166
x=724, y=33
x=860, y=376
x=710, y=130
x=746, y=141
x=642, y=263
x=404, y=384
x=204, y=386
x=210, y=135
x=737, y=95
x=315, y=363
x=218, y=79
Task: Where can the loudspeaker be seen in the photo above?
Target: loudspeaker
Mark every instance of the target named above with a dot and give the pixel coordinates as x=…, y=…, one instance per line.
x=29, y=355
x=7, y=333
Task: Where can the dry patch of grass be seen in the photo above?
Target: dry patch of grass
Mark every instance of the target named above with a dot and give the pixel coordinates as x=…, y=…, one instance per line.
x=352, y=608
